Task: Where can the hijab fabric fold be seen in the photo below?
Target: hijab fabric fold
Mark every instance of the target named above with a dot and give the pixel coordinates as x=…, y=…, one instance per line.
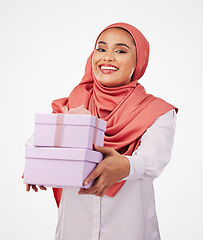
x=128, y=109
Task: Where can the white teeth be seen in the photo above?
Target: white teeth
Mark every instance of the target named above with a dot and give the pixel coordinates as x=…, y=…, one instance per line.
x=109, y=68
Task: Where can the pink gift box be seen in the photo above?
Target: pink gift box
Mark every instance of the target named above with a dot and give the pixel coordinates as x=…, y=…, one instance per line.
x=59, y=167
x=68, y=130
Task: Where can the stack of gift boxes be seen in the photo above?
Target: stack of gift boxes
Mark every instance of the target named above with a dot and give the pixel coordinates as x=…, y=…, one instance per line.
x=63, y=155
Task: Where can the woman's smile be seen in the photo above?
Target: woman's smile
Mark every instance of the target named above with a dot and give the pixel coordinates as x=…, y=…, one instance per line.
x=108, y=68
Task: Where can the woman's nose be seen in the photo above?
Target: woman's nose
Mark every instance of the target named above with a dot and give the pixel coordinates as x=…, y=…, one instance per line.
x=108, y=56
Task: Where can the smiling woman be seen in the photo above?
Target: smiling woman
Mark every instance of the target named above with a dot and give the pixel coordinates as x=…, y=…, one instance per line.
x=137, y=144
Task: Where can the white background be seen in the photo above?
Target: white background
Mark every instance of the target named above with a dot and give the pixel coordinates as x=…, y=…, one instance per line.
x=44, y=45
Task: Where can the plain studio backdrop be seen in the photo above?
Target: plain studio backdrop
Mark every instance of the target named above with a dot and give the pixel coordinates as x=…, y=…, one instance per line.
x=44, y=45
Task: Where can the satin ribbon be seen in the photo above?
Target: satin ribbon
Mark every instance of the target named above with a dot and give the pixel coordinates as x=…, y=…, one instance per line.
x=59, y=130
x=96, y=130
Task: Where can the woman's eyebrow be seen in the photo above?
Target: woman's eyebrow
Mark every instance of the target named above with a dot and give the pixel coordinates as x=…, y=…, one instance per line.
x=122, y=44
x=101, y=42
x=117, y=44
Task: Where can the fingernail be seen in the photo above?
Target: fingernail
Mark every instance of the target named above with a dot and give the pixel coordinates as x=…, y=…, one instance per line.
x=85, y=183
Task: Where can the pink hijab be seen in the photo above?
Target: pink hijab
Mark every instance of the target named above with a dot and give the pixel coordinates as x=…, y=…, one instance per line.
x=128, y=109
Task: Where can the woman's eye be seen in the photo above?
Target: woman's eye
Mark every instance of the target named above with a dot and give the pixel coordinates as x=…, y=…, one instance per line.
x=120, y=51
x=100, y=50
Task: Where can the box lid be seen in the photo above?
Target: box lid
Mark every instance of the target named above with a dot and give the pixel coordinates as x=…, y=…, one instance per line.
x=77, y=154
x=70, y=119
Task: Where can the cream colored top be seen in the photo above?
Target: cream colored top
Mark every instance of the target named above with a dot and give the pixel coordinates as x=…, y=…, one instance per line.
x=130, y=214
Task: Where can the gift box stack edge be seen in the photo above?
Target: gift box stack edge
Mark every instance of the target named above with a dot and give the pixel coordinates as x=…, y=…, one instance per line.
x=63, y=155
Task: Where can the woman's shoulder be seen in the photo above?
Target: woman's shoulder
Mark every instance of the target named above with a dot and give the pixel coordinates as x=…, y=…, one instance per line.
x=167, y=118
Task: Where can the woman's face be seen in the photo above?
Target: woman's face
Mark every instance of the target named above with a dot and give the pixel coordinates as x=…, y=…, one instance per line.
x=114, y=59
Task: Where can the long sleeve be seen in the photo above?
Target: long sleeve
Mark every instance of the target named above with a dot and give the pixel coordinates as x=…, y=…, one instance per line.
x=29, y=142
x=154, y=152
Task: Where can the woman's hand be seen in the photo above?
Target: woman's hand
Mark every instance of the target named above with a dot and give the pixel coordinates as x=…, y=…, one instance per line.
x=34, y=187
x=78, y=110
x=110, y=170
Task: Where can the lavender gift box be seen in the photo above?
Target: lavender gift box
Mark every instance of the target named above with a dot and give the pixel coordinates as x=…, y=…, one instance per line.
x=68, y=130
x=59, y=167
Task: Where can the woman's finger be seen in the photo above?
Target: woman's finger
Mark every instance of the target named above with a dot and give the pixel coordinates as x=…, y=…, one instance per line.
x=34, y=188
x=42, y=187
x=65, y=109
x=104, y=150
x=103, y=192
x=27, y=187
x=93, y=175
x=92, y=190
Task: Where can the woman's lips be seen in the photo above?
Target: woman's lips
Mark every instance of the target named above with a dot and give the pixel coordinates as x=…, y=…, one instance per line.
x=107, y=68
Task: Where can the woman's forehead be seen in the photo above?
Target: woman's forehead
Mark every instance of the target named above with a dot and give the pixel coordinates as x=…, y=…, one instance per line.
x=116, y=34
